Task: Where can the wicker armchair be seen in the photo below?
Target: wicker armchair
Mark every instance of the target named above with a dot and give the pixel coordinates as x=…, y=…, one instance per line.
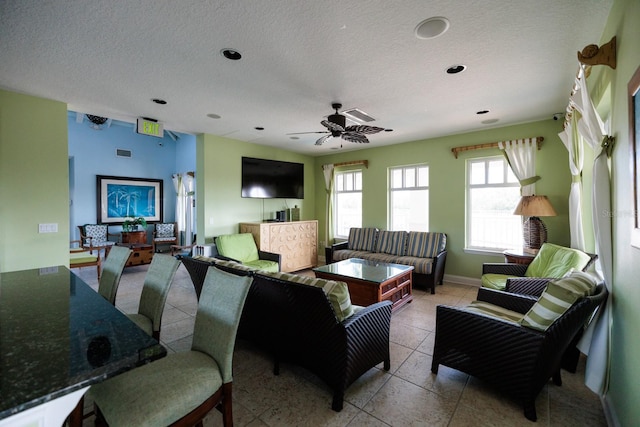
x=516, y=359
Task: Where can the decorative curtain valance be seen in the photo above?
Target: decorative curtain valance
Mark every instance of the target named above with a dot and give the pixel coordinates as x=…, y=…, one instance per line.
x=456, y=150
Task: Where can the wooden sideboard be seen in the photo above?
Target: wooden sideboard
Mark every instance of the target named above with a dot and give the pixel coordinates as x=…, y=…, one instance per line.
x=296, y=242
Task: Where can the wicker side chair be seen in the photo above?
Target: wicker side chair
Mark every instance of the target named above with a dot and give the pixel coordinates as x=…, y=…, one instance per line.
x=515, y=359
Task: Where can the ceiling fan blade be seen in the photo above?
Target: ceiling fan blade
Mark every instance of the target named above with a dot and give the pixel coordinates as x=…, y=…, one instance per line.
x=303, y=133
x=355, y=137
x=364, y=129
x=323, y=139
x=332, y=126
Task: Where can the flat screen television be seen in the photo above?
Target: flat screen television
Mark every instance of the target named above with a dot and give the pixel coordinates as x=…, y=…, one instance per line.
x=272, y=179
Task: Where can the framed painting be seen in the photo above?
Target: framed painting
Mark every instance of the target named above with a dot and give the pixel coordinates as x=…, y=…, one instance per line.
x=634, y=142
x=121, y=197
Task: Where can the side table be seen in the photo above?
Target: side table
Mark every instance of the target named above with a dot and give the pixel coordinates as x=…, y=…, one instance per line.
x=518, y=256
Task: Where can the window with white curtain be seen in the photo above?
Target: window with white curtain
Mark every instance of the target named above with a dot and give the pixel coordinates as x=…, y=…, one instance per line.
x=409, y=198
x=493, y=192
x=347, y=206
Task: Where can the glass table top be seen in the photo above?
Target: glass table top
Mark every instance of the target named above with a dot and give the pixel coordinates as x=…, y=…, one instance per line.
x=361, y=269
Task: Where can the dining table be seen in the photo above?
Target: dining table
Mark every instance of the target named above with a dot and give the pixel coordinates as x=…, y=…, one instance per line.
x=58, y=336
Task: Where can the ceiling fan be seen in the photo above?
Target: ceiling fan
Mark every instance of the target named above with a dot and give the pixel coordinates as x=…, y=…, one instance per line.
x=335, y=124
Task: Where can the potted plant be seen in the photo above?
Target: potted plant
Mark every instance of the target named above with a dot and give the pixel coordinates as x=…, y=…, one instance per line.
x=131, y=224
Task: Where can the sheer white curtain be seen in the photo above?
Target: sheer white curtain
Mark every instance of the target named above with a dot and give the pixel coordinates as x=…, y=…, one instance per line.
x=327, y=170
x=572, y=140
x=521, y=155
x=183, y=184
x=595, y=342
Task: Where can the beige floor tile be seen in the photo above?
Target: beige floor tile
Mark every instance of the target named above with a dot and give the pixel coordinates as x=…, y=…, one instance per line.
x=408, y=395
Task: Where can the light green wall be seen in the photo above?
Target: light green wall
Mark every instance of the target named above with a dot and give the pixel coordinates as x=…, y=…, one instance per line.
x=34, y=182
x=219, y=204
x=624, y=387
x=447, y=184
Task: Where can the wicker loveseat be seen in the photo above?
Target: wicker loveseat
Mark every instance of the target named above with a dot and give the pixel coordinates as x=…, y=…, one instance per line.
x=308, y=322
x=425, y=251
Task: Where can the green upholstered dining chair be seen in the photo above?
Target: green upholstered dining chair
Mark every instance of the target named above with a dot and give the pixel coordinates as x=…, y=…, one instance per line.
x=112, y=271
x=183, y=387
x=155, y=289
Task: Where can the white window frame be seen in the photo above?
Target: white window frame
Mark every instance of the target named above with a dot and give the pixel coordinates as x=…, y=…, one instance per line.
x=355, y=176
x=508, y=180
x=407, y=186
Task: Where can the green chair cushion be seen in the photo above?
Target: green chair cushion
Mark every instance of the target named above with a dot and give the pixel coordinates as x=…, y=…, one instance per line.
x=241, y=247
x=555, y=261
x=159, y=393
x=495, y=281
x=556, y=299
x=336, y=292
x=264, y=265
x=81, y=258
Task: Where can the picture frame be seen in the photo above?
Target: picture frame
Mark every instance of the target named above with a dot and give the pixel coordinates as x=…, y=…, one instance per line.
x=634, y=142
x=119, y=198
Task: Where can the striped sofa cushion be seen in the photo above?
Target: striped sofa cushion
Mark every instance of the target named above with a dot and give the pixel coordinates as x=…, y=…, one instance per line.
x=557, y=298
x=392, y=242
x=425, y=245
x=362, y=239
x=493, y=310
x=343, y=254
x=337, y=292
x=420, y=265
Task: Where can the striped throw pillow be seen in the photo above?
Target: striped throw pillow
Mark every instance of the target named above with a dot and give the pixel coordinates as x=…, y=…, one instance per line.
x=362, y=239
x=337, y=292
x=557, y=298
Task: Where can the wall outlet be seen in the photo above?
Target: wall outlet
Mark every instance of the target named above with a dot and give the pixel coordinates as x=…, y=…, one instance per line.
x=47, y=228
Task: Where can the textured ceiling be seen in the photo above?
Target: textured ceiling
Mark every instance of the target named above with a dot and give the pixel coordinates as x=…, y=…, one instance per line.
x=111, y=58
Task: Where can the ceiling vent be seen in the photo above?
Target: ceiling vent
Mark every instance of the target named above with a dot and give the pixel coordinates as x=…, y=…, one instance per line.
x=121, y=152
x=358, y=115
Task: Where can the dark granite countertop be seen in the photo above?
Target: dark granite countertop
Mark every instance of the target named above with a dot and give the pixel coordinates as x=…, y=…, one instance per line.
x=57, y=335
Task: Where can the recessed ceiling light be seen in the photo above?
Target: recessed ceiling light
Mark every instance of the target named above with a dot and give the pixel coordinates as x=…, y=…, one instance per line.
x=258, y=128
x=489, y=121
x=159, y=101
x=482, y=112
x=432, y=27
x=455, y=69
x=231, y=54
x=213, y=116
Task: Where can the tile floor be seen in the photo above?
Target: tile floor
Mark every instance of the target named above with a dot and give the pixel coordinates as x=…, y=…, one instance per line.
x=408, y=395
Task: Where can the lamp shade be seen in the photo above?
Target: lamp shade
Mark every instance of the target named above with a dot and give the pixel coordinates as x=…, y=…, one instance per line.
x=534, y=232
x=534, y=206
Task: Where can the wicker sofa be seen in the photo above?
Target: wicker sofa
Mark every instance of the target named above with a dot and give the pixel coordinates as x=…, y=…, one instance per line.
x=308, y=322
x=425, y=251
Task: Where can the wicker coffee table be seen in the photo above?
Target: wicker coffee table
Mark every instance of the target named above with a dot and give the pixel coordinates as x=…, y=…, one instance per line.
x=370, y=282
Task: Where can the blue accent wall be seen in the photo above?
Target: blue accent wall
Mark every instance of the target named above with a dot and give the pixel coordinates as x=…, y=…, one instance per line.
x=93, y=152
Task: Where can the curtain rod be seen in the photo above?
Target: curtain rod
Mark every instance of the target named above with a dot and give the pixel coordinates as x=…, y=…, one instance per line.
x=456, y=150
x=354, y=162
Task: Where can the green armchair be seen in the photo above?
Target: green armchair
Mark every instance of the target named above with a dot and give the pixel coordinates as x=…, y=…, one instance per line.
x=551, y=262
x=242, y=248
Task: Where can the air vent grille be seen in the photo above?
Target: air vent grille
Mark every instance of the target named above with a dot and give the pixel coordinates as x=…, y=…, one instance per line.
x=120, y=152
x=358, y=115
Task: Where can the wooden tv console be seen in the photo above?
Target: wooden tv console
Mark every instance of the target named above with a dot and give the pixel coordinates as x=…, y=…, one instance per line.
x=295, y=241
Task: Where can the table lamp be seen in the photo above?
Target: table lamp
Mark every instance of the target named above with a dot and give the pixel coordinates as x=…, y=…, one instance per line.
x=534, y=232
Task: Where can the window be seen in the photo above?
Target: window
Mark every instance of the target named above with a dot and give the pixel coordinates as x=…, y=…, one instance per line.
x=347, y=202
x=409, y=198
x=493, y=192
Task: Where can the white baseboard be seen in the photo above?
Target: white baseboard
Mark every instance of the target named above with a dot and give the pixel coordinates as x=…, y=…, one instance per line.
x=463, y=280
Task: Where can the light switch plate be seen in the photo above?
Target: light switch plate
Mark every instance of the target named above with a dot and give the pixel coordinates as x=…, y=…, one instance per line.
x=48, y=228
